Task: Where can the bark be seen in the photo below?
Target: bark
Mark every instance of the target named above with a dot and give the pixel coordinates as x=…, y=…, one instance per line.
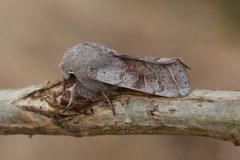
x=33, y=110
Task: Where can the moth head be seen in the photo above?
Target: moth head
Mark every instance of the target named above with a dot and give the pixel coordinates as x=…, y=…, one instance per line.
x=67, y=64
x=69, y=77
x=66, y=70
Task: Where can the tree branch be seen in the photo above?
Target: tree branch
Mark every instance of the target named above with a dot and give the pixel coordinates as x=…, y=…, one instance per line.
x=33, y=110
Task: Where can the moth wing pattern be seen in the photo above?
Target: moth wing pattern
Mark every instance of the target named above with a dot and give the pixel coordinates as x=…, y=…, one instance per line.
x=165, y=77
x=156, y=60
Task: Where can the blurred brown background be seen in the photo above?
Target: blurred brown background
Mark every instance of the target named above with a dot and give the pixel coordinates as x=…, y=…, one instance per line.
x=34, y=35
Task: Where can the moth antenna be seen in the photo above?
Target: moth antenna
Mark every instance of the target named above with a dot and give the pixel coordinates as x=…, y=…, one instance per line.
x=109, y=102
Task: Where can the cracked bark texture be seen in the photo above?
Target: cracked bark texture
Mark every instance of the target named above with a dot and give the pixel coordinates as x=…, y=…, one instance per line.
x=208, y=113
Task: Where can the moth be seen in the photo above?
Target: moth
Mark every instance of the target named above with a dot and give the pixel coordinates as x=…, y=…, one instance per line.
x=92, y=69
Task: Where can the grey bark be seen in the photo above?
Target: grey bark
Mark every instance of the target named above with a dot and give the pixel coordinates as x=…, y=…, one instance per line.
x=208, y=113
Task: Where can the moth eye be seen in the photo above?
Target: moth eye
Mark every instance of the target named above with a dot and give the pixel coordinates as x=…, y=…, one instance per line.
x=71, y=72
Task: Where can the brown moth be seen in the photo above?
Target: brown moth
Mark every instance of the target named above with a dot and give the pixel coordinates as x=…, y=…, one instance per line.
x=97, y=69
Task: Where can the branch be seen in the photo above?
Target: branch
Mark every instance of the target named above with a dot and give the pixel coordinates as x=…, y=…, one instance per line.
x=33, y=110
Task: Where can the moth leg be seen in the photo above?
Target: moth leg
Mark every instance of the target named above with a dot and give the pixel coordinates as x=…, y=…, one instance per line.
x=75, y=103
x=70, y=104
x=109, y=102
